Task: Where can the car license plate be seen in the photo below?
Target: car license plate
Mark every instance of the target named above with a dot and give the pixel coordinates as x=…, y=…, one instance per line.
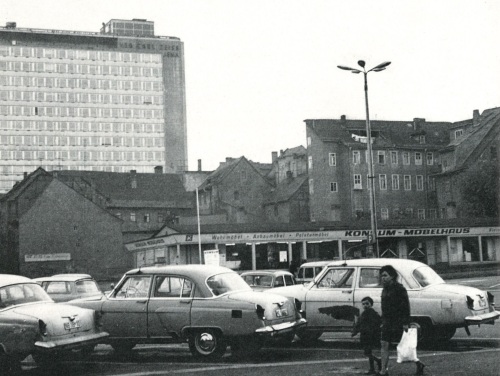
x=281, y=312
x=72, y=325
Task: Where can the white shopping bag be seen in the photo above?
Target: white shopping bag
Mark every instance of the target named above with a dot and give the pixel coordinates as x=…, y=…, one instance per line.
x=407, y=348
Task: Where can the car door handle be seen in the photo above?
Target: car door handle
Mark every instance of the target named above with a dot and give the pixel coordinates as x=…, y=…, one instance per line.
x=347, y=292
x=141, y=301
x=185, y=301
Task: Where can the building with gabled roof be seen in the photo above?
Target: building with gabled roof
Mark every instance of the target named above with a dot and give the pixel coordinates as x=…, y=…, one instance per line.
x=236, y=190
x=289, y=201
x=473, y=145
x=46, y=227
x=144, y=202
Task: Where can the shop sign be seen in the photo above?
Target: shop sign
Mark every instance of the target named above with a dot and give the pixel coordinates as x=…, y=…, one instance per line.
x=211, y=257
x=42, y=257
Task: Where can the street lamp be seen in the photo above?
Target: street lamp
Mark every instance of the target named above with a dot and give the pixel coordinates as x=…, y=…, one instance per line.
x=373, y=240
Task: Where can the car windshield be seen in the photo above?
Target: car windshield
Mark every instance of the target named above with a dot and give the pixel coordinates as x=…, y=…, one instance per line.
x=22, y=293
x=426, y=276
x=222, y=283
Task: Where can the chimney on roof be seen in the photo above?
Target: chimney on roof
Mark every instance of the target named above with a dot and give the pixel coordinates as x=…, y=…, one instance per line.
x=158, y=170
x=25, y=175
x=133, y=178
x=199, y=165
x=476, y=118
x=274, y=156
x=342, y=118
x=417, y=123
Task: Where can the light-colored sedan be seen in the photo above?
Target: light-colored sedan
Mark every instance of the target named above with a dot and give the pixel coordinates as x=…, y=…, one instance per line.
x=32, y=323
x=207, y=306
x=260, y=280
x=66, y=287
x=332, y=301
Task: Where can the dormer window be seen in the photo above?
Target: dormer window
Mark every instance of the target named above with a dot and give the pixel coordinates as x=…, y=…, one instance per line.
x=421, y=139
x=458, y=133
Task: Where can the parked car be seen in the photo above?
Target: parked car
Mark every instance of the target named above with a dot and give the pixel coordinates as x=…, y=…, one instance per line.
x=308, y=270
x=332, y=301
x=66, y=287
x=260, y=280
x=32, y=323
x=210, y=307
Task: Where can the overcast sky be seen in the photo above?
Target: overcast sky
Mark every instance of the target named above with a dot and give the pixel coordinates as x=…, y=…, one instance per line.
x=255, y=70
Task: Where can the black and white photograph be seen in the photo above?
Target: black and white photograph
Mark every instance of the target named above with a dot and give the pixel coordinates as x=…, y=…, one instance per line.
x=236, y=187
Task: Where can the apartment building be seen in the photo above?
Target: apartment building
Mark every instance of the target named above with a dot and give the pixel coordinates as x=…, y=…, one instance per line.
x=405, y=156
x=112, y=100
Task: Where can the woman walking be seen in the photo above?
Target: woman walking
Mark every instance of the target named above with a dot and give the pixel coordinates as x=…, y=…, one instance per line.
x=395, y=315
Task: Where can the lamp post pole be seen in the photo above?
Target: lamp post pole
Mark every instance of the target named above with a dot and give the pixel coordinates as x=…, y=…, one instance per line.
x=373, y=238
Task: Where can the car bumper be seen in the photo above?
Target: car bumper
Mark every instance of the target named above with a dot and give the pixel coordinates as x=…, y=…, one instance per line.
x=281, y=329
x=71, y=343
x=486, y=318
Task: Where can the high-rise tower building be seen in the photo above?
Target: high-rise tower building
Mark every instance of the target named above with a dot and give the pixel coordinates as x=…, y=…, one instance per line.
x=112, y=100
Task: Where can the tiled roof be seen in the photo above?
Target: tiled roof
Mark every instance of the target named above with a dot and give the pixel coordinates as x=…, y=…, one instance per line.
x=19, y=188
x=298, y=150
x=226, y=168
x=398, y=134
x=466, y=145
x=151, y=188
x=285, y=190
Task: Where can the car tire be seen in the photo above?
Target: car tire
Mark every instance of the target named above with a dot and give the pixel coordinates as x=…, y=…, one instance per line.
x=443, y=334
x=208, y=344
x=122, y=347
x=309, y=335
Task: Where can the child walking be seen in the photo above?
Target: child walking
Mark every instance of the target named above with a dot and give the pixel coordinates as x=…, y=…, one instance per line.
x=368, y=325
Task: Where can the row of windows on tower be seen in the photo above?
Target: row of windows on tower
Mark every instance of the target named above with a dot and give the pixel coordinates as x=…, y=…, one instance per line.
x=79, y=97
x=77, y=126
x=95, y=141
x=59, y=53
x=80, y=83
x=84, y=69
x=75, y=155
x=84, y=112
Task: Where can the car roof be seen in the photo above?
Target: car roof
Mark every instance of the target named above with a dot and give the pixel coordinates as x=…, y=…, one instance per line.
x=191, y=269
x=64, y=278
x=316, y=263
x=267, y=272
x=11, y=279
x=398, y=264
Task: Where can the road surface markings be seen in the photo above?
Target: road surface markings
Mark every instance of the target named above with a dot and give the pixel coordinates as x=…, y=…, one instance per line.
x=277, y=364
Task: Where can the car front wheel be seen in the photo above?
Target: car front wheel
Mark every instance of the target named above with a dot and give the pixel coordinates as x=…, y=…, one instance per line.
x=207, y=344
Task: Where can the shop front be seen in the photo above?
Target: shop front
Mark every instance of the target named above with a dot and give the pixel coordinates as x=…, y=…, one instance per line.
x=283, y=250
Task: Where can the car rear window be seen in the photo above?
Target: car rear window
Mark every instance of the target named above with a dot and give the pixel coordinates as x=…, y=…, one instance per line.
x=87, y=287
x=58, y=287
